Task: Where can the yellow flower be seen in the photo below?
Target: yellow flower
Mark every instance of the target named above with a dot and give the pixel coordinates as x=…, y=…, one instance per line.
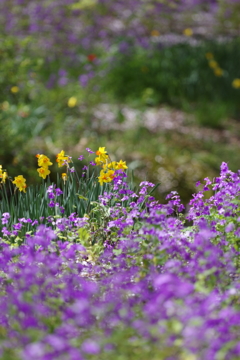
x=64, y=177
x=102, y=154
x=98, y=161
x=62, y=159
x=121, y=165
x=213, y=64
x=43, y=172
x=218, y=71
x=188, y=32
x=14, y=89
x=236, y=83
x=209, y=56
x=4, y=176
x=20, y=183
x=155, y=33
x=112, y=165
x=72, y=101
x=43, y=161
x=106, y=176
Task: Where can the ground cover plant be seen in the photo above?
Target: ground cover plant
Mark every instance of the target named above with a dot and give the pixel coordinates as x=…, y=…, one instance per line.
x=125, y=280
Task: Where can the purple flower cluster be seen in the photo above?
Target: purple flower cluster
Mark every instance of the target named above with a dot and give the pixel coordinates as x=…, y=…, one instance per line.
x=54, y=192
x=162, y=289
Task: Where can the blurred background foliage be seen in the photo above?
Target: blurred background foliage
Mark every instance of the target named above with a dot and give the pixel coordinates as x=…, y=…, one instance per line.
x=157, y=83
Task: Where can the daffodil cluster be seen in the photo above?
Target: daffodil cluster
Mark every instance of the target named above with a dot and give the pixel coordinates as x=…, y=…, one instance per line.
x=109, y=168
x=3, y=175
x=43, y=163
x=20, y=183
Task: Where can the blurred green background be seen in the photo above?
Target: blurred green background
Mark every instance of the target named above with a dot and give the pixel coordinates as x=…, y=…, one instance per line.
x=171, y=109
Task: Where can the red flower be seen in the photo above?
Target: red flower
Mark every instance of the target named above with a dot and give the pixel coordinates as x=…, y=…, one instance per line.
x=91, y=57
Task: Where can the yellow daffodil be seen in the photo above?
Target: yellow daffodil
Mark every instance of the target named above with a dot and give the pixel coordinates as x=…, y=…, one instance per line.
x=102, y=154
x=43, y=172
x=72, y=102
x=20, y=183
x=106, y=177
x=43, y=161
x=3, y=176
x=99, y=162
x=62, y=159
x=64, y=177
x=121, y=165
x=112, y=165
x=213, y=64
x=14, y=89
x=236, y=83
x=218, y=71
x=188, y=32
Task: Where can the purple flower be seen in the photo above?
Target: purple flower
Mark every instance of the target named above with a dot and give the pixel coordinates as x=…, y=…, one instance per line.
x=90, y=346
x=5, y=231
x=146, y=183
x=83, y=79
x=5, y=217
x=58, y=192
x=81, y=157
x=89, y=151
x=51, y=204
x=17, y=226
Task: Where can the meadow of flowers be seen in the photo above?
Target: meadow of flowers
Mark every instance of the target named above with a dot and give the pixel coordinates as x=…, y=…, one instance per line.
x=73, y=72
x=121, y=277
x=92, y=264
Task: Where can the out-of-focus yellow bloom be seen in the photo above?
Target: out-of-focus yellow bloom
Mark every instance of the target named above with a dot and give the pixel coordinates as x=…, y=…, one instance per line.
x=112, y=165
x=20, y=183
x=43, y=160
x=43, y=172
x=3, y=176
x=155, y=33
x=99, y=162
x=5, y=105
x=236, y=83
x=72, y=101
x=102, y=155
x=121, y=165
x=213, y=64
x=14, y=89
x=62, y=159
x=188, y=32
x=106, y=177
x=64, y=177
x=209, y=56
x=218, y=71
